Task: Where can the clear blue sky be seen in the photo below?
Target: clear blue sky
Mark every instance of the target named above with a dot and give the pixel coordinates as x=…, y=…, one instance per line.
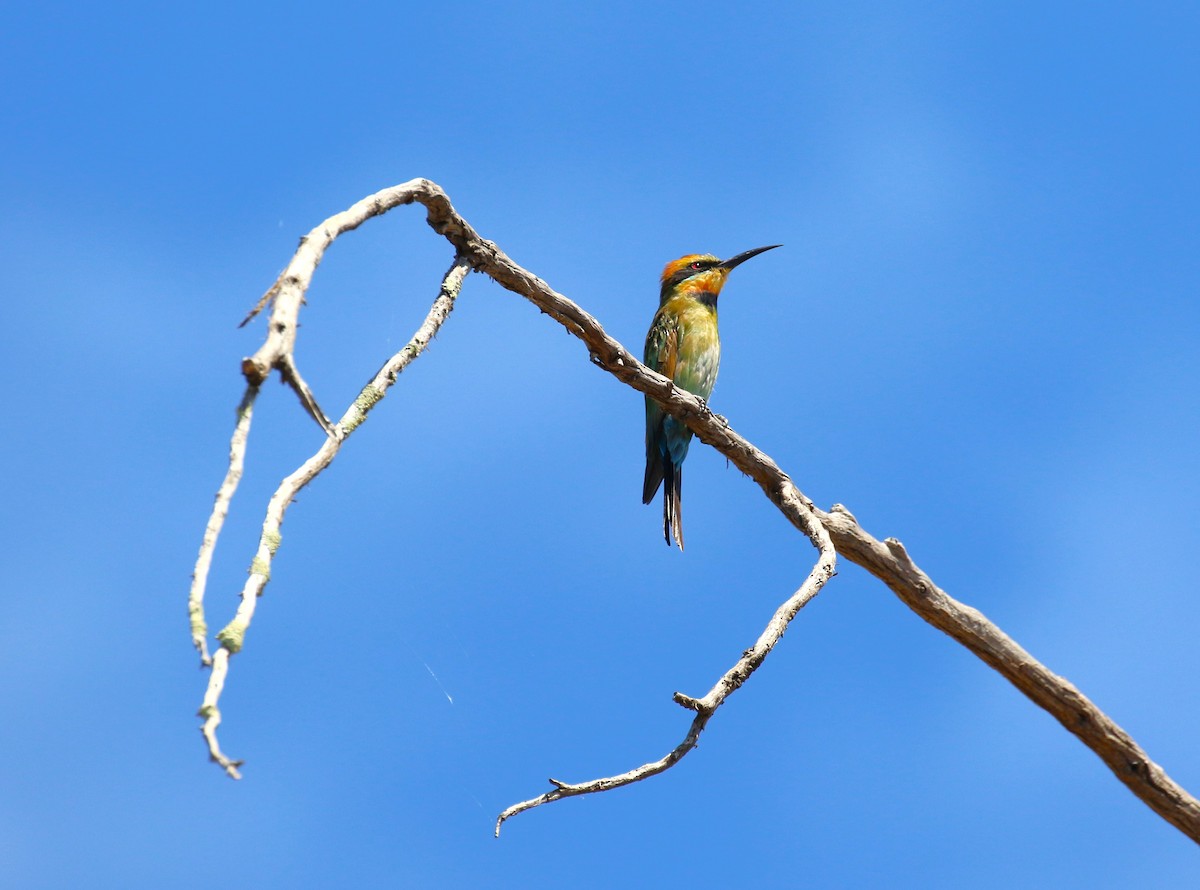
x=982, y=336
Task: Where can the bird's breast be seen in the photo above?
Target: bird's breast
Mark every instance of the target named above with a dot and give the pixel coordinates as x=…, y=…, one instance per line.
x=699, y=349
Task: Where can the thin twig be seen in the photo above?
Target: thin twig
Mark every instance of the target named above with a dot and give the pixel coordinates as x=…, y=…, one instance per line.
x=286, y=296
x=1060, y=698
x=212, y=714
x=704, y=707
x=291, y=375
x=216, y=520
x=887, y=560
x=232, y=636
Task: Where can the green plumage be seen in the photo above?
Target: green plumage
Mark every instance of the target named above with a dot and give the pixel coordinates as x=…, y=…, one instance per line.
x=682, y=344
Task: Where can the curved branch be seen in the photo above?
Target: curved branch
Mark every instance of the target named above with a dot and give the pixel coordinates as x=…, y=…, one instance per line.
x=887, y=561
x=704, y=707
x=232, y=636
x=216, y=521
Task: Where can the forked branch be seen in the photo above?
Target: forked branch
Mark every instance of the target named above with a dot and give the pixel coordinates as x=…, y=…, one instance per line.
x=232, y=636
x=887, y=560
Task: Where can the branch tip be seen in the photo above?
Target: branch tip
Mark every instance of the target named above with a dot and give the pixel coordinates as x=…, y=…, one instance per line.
x=277, y=353
x=889, y=560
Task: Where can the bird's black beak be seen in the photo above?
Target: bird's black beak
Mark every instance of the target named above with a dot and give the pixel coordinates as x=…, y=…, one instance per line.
x=733, y=262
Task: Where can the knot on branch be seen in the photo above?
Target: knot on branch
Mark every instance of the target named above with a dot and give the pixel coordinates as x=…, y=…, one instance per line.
x=255, y=370
x=615, y=358
x=699, y=705
x=841, y=508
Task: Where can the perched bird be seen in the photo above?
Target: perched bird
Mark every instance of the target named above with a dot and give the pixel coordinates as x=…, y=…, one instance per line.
x=682, y=344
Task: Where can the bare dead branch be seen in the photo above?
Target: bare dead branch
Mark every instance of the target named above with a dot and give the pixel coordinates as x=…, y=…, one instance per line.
x=212, y=714
x=1060, y=698
x=887, y=560
x=292, y=377
x=232, y=636
x=286, y=296
x=704, y=707
x=216, y=520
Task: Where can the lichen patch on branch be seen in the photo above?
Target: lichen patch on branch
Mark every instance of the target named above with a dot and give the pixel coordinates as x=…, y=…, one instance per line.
x=836, y=533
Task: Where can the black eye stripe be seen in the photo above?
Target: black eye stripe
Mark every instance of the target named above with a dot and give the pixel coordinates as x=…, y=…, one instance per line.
x=688, y=271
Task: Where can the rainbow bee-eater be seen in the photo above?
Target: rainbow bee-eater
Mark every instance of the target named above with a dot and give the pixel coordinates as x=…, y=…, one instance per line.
x=682, y=344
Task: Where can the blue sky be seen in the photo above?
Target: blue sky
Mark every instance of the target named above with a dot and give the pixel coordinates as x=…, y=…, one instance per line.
x=981, y=336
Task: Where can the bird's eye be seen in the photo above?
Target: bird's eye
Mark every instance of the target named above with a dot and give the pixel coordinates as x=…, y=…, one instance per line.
x=696, y=266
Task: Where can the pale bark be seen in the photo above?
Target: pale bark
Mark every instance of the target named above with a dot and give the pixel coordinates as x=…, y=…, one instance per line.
x=835, y=533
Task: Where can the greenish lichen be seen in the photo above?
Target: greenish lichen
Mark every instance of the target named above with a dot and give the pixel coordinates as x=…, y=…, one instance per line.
x=199, y=625
x=260, y=566
x=367, y=399
x=232, y=636
x=272, y=540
